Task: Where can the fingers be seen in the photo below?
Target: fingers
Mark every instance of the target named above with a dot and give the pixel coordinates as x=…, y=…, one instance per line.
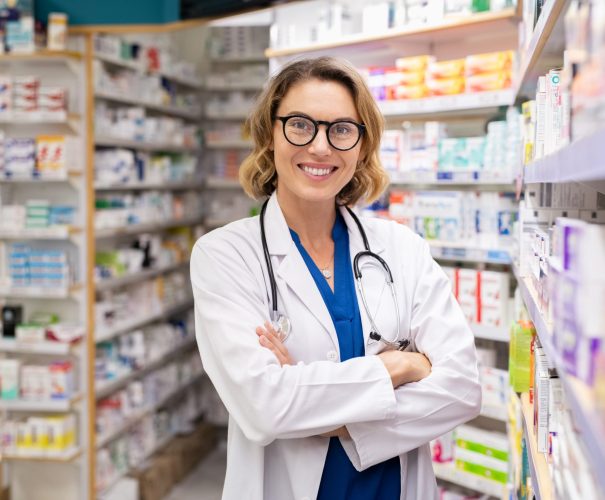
x=269, y=339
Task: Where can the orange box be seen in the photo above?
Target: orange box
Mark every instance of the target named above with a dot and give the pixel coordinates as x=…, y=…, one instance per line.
x=490, y=62
x=446, y=86
x=413, y=64
x=446, y=69
x=411, y=91
x=488, y=81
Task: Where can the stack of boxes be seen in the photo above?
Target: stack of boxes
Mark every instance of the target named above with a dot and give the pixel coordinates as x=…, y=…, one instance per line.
x=36, y=382
x=483, y=295
x=489, y=72
x=476, y=451
x=29, y=267
x=43, y=156
x=39, y=436
x=36, y=214
x=577, y=289
x=22, y=97
x=482, y=452
x=424, y=76
x=485, y=219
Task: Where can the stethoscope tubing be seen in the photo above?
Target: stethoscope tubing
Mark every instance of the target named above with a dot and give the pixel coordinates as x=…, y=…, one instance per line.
x=400, y=344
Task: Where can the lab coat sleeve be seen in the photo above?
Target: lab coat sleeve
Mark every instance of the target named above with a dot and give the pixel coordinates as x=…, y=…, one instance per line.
x=266, y=400
x=449, y=396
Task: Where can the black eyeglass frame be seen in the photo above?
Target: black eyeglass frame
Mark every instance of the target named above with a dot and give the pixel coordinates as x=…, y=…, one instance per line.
x=360, y=127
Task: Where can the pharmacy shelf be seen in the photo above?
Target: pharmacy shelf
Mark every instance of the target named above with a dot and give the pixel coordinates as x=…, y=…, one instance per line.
x=133, y=324
x=181, y=112
x=138, y=416
x=214, y=222
x=65, y=457
x=448, y=472
x=39, y=292
x=222, y=183
x=63, y=176
x=141, y=186
x=117, y=142
x=538, y=467
x=236, y=144
x=495, y=413
x=42, y=56
x=240, y=115
x=577, y=395
x=500, y=334
x=442, y=106
x=452, y=180
x=137, y=66
x=254, y=58
x=145, y=228
x=443, y=250
x=52, y=406
x=48, y=233
x=105, y=388
x=580, y=161
x=38, y=118
x=545, y=48
x=111, y=283
x=46, y=347
x=229, y=87
x=458, y=27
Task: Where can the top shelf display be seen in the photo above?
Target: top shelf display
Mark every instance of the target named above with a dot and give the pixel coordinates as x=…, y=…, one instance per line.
x=447, y=29
x=41, y=56
x=544, y=49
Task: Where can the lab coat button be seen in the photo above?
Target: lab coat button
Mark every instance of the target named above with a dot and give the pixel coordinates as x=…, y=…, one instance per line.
x=332, y=356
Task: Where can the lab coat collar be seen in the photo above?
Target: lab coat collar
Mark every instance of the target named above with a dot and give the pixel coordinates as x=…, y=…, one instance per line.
x=280, y=242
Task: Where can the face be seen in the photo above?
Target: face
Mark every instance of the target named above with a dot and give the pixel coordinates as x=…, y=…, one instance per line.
x=315, y=172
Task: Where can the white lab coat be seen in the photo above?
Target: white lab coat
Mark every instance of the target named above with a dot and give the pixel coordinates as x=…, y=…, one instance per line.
x=276, y=413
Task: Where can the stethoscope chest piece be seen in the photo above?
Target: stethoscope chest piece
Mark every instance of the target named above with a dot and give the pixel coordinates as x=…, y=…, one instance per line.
x=282, y=326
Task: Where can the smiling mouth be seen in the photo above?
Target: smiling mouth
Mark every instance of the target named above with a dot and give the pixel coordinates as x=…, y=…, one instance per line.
x=316, y=171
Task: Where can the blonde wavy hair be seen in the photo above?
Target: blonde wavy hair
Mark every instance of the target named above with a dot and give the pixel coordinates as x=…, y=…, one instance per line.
x=258, y=175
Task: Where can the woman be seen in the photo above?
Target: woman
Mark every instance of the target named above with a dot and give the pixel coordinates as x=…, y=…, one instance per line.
x=327, y=412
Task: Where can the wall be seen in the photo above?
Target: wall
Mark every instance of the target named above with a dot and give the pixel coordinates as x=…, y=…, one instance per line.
x=111, y=11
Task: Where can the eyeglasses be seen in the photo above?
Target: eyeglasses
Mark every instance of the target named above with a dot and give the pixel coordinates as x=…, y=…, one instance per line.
x=300, y=130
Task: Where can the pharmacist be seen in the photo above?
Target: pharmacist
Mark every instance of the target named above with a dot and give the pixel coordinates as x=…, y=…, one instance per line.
x=339, y=396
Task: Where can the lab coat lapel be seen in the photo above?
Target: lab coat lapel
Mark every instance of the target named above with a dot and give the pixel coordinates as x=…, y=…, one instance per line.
x=291, y=267
x=371, y=288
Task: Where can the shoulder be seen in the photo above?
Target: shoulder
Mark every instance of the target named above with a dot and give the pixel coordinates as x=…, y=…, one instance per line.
x=232, y=241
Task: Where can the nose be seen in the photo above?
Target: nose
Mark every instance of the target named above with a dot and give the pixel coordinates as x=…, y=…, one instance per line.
x=319, y=145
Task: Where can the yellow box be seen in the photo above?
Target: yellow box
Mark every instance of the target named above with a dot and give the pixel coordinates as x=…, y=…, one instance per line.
x=413, y=64
x=488, y=81
x=446, y=86
x=446, y=69
x=489, y=63
x=411, y=91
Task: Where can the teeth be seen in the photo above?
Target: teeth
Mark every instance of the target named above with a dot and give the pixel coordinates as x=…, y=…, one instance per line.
x=316, y=171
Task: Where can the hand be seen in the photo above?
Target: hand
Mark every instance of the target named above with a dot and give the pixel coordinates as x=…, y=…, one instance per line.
x=270, y=339
x=405, y=367
x=341, y=432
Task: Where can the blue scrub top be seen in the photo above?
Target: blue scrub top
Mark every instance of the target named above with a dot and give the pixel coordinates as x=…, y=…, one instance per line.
x=340, y=480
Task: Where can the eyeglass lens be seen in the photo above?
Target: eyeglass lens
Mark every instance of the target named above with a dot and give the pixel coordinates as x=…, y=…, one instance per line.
x=300, y=131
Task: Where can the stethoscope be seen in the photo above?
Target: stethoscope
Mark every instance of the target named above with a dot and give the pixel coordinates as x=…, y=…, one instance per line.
x=282, y=324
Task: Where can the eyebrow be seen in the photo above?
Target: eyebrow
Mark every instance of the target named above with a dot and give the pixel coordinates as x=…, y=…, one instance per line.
x=339, y=119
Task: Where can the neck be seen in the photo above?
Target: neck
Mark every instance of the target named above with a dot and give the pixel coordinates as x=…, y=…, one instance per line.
x=311, y=220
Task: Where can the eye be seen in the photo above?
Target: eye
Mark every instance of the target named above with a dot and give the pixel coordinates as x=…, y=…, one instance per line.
x=343, y=129
x=300, y=125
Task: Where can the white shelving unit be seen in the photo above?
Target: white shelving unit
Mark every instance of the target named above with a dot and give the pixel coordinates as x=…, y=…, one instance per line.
x=580, y=161
x=64, y=69
x=167, y=147
x=146, y=227
x=153, y=106
x=448, y=472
